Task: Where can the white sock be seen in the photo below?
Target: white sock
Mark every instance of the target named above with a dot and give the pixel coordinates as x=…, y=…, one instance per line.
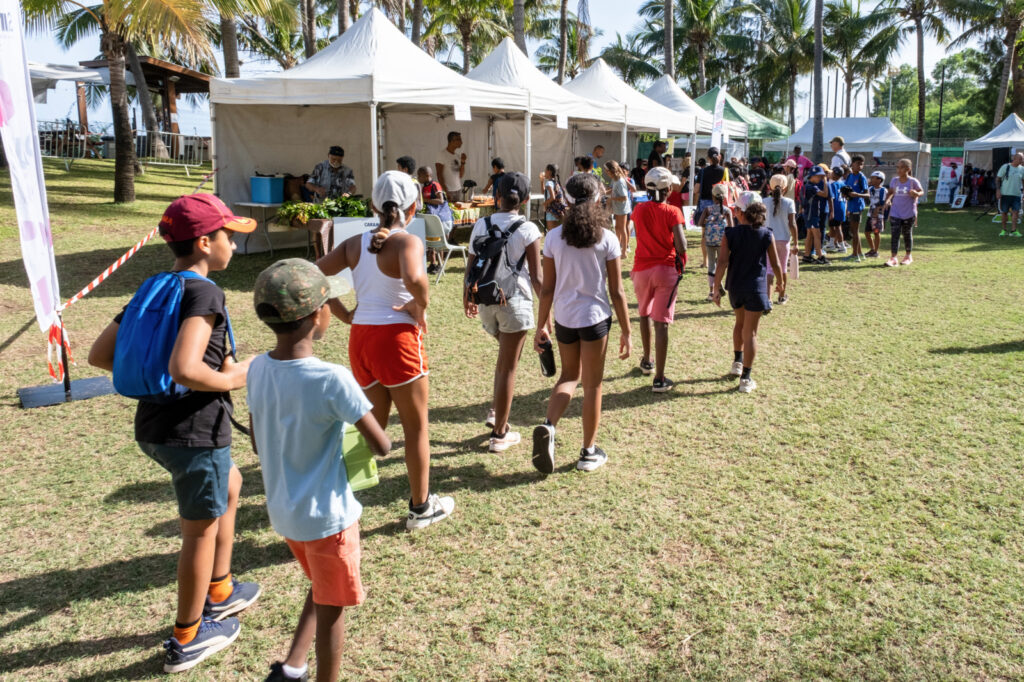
x=589, y=450
x=294, y=672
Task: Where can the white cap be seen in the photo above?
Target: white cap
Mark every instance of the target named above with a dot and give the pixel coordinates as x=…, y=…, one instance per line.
x=660, y=177
x=394, y=186
x=748, y=199
x=879, y=174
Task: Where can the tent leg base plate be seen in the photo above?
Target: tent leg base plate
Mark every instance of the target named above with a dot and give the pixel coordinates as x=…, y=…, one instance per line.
x=54, y=394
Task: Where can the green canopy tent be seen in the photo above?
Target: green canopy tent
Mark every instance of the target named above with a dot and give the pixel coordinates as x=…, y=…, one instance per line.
x=758, y=127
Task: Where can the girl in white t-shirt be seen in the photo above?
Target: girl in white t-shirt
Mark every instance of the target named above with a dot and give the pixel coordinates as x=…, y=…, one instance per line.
x=619, y=203
x=782, y=222
x=582, y=281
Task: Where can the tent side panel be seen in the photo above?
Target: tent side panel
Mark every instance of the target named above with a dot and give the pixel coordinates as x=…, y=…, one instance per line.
x=423, y=136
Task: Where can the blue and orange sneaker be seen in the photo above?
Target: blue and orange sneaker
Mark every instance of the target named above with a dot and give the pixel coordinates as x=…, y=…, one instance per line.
x=211, y=638
x=242, y=596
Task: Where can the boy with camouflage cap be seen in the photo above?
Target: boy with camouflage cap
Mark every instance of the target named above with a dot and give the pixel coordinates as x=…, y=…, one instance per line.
x=298, y=408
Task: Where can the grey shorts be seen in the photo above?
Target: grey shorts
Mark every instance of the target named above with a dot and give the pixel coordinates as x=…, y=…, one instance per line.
x=515, y=316
x=199, y=477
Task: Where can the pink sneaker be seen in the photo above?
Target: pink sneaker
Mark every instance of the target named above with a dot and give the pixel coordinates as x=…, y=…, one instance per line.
x=908, y=260
x=892, y=262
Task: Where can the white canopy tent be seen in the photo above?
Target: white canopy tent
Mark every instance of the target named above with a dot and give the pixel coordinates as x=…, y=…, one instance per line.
x=371, y=91
x=46, y=76
x=1007, y=135
x=640, y=113
x=550, y=106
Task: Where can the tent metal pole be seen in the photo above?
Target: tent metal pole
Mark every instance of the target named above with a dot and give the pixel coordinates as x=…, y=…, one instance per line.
x=693, y=162
x=528, y=141
x=213, y=147
x=625, y=127
x=374, y=145
x=490, y=138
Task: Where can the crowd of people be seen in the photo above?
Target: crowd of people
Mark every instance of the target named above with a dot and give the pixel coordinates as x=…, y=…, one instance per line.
x=570, y=270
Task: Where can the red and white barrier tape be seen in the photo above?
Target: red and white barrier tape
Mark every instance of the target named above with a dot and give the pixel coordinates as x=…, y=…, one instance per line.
x=110, y=270
x=54, y=363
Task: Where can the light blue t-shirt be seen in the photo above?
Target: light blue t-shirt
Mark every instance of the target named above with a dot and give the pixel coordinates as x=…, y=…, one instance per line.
x=299, y=410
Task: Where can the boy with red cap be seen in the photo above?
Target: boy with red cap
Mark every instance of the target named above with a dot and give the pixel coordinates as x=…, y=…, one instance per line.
x=190, y=437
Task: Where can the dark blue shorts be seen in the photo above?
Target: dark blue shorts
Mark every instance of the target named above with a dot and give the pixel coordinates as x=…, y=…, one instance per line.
x=754, y=301
x=1009, y=203
x=199, y=476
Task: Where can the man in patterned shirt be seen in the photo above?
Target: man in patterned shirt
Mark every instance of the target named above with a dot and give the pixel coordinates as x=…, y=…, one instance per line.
x=331, y=178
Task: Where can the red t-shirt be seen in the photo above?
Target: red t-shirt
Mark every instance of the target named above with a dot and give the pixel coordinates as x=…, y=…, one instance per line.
x=654, y=243
x=431, y=190
x=676, y=199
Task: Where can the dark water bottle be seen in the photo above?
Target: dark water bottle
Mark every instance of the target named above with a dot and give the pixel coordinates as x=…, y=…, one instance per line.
x=547, y=359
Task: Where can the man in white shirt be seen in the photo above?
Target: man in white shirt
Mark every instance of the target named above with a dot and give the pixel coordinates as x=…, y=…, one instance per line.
x=840, y=157
x=451, y=168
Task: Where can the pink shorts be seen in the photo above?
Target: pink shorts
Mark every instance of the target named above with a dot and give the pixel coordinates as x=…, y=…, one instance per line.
x=656, y=292
x=782, y=249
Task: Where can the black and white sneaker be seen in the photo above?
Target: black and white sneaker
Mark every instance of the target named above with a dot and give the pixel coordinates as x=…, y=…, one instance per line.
x=823, y=261
x=544, y=448
x=646, y=367
x=277, y=674
x=662, y=385
x=591, y=460
x=212, y=637
x=438, y=509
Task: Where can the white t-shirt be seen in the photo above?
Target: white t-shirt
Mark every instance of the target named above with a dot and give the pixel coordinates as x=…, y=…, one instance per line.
x=839, y=158
x=778, y=223
x=581, y=279
x=620, y=188
x=527, y=234
x=450, y=162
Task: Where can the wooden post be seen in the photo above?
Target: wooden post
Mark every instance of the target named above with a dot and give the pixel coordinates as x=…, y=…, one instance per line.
x=171, y=95
x=83, y=109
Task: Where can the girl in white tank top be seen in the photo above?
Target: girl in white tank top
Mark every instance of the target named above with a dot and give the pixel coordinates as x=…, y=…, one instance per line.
x=376, y=292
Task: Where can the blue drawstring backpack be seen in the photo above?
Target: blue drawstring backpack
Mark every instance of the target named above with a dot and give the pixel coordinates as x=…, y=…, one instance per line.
x=146, y=337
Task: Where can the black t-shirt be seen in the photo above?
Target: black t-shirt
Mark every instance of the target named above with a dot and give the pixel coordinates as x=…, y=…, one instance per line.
x=495, y=179
x=655, y=159
x=638, y=174
x=709, y=177
x=200, y=419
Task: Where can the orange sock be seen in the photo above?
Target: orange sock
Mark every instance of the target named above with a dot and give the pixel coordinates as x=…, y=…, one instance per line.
x=221, y=589
x=186, y=634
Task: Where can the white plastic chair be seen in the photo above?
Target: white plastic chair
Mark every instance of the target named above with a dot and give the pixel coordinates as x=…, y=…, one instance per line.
x=437, y=241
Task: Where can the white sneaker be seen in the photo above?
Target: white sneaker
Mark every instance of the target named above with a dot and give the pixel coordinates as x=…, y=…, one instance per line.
x=438, y=509
x=747, y=385
x=544, y=448
x=842, y=248
x=504, y=442
x=591, y=461
x=736, y=369
x=489, y=421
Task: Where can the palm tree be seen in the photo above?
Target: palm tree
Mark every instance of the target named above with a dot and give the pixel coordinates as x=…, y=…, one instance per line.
x=345, y=19
x=923, y=18
x=634, y=66
x=670, y=52
x=850, y=37
x=548, y=54
x=519, y=24
x=817, y=142
x=789, y=37
x=417, y=21
x=992, y=17
x=180, y=22
x=229, y=45
x=563, y=39
x=474, y=22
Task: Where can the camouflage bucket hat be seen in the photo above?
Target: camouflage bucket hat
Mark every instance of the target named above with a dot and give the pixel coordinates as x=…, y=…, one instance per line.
x=294, y=288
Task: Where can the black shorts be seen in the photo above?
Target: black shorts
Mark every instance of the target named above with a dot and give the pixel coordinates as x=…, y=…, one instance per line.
x=835, y=223
x=594, y=332
x=754, y=301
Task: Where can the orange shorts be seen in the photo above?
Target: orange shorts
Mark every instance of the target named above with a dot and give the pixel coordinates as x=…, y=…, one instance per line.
x=332, y=565
x=389, y=354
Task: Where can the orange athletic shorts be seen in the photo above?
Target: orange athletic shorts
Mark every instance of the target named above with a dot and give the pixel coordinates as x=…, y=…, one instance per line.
x=332, y=565
x=389, y=354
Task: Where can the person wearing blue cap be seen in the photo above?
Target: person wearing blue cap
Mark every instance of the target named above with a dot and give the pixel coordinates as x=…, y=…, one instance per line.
x=817, y=204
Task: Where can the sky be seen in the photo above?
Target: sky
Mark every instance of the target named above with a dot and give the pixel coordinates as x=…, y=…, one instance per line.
x=608, y=15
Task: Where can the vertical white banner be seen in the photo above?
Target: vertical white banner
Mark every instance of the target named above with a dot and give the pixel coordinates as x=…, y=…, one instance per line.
x=21, y=145
x=718, y=124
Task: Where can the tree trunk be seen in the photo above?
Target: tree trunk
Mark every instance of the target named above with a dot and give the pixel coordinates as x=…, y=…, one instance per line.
x=417, y=21
x=344, y=20
x=792, y=99
x=1010, y=41
x=519, y=24
x=867, y=91
x=467, y=41
x=563, y=39
x=702, y=73
x=849, y=90
x=229, y=44
x=401, y=17
x=1018, y=81
x=919, y=27
x=113, y=47
x=309, y=27
x=155, y=146
x=670, y=52
x=817, y=141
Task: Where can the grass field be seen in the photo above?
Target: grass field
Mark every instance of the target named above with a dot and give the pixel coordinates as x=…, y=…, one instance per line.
x=857, y=517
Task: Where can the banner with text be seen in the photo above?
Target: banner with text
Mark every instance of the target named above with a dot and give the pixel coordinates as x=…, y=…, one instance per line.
x=718, y=123
x=21, y=145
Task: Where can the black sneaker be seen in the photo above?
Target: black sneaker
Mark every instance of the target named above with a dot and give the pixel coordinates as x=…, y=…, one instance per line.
x=431, y=269
x=277, y=674
x=646, y=367
x=662, y=385
x=809, y=260
x=823, y=261
x=544, y=448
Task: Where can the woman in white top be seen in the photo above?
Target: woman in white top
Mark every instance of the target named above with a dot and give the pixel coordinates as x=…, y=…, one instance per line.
x=619, y=203
x=386, y=343
x=582, y=271
x=781, y=212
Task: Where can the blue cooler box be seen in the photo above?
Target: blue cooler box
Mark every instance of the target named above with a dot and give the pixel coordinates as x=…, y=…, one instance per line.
x=266, y=190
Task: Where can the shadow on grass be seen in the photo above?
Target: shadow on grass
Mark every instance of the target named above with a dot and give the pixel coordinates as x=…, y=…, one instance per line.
x=248, y=517
x=47, y=593
x=161, y=490
x=1004, y=347
x=51, y=654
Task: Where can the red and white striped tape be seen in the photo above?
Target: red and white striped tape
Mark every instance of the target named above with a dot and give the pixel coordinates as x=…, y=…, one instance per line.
x=110, y=270
x=54, y=363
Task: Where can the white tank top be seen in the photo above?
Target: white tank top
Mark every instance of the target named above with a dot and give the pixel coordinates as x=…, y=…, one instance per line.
x=376, y=292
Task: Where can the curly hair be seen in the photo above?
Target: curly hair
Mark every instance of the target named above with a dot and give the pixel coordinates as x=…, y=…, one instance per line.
x=756, y=215
x=585, y=220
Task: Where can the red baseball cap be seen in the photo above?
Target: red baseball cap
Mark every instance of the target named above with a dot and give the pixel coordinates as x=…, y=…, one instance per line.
x=194, y=215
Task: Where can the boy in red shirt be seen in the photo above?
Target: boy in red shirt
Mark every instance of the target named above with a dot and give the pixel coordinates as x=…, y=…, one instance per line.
x=657, y=267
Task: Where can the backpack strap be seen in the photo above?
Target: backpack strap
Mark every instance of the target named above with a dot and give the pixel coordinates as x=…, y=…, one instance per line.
x=511, y=230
